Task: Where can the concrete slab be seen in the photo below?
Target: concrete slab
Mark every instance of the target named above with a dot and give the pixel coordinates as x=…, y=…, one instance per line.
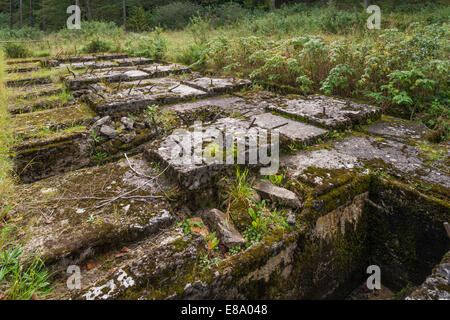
x=133, y=61
x=194, y=157
x=398, y=128
x=290, y=130
x=218, y=85
x=138, y=98
x=327, y=112
x=158, y=70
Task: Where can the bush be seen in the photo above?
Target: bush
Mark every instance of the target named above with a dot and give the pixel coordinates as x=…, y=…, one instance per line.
x=97, y=45
x=154, y=47
x=341, y=21
x=406, y=73
x=191, y=54
x=227, y=14
x=176, y=15
x=92, y=29
x=22, y=33
x=16, y=50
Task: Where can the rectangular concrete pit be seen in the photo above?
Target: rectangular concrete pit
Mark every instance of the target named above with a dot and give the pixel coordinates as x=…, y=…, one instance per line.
x=218, y=85
x=162, y=91
x=327, y=112
x=132, y=62
x=123, y=74
x=36, y=104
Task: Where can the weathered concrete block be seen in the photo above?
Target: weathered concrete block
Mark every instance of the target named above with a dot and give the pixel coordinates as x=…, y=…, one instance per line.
x=219, y=222
x=280, y=195
x=436, y=286
x=328, y=112
x=290, y=130
x=195, y=156
x=133, y=61
x=218, y=85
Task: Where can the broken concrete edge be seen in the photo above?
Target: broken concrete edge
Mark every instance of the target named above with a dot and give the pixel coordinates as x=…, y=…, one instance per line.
x=277, y=194
x=436, y=286
x=220, y=223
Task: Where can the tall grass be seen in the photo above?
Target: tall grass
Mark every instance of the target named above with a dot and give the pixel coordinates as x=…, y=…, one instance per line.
x=6, y=181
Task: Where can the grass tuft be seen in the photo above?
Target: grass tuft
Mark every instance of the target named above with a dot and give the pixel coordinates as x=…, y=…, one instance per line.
x=6, y=180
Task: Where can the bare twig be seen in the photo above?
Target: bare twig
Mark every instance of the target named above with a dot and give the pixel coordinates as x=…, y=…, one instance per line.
x=68, y=69
x=170, y=90
x=279, y=126
x=104, y=203
x=251, y=124
x=134, y=170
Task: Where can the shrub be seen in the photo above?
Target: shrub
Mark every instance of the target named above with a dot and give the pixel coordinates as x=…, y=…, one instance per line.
x=22, y=33
x=227, y=14
x=16, y=50
x=176, y=15
x=406, y=73
x=92, y=29
x=341, y=21
x=97, y=45
x=154, y=46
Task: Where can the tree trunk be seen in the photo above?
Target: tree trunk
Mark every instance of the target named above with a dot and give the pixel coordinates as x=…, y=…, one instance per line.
x=31, y=13
x=21, y=12
x=89, y=10
x=366, y=3
x=11, y=21
x=124, y=8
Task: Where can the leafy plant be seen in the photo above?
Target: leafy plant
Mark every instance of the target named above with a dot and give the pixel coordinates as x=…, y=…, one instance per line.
x=212, y=241
x=186, y=225
x=234, y=250
x=97, y=45
x=206, y=262
x=99, y=155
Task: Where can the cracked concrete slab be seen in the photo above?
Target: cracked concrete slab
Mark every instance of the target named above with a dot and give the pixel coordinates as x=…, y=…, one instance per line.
x=327, y=112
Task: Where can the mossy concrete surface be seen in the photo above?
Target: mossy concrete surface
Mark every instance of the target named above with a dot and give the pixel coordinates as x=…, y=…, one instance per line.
x=98, y=187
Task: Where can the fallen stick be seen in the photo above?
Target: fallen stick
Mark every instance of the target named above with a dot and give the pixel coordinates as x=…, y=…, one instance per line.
x=130, y=192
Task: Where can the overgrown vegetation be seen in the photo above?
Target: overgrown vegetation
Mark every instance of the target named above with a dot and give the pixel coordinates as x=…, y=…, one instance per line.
x=252, y=216
x=20, y=279
x=403, y=67
x=6, y=181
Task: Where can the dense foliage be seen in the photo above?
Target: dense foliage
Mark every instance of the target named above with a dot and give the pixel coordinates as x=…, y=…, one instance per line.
x=313, y=46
